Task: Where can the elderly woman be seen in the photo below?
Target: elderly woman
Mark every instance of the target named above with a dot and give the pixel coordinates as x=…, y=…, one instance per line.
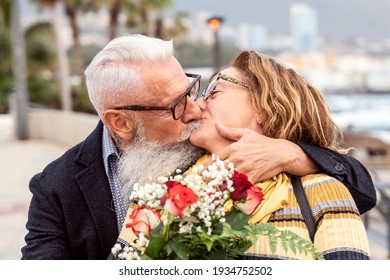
x=258, y=93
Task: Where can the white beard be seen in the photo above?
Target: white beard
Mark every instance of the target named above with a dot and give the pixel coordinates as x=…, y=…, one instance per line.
x=145, y=160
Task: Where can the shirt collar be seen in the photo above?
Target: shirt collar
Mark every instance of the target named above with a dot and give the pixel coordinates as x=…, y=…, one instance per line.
x=109, y=148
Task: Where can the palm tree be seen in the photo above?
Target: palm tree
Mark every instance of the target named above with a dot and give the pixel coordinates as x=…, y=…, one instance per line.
x=5, y=54
x=115, y=7
x=5, y=13
x=142, y=14
x=72, y=7
x=178, y=28
x=42, y=64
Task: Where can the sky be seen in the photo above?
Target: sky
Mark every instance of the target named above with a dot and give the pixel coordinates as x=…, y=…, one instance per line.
x=337, y=18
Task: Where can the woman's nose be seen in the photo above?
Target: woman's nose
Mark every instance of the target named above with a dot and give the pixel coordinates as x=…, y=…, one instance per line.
x=201, y=103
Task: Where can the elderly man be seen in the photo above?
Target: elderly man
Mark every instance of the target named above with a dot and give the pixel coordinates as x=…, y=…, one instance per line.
x=144, y=101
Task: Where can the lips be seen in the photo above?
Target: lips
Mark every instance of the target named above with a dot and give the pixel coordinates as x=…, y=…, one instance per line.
x=202, y=122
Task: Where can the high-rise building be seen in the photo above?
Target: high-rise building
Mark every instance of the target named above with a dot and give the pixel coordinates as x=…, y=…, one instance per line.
x=251, y=36
x=259, y=37
x=304, y=27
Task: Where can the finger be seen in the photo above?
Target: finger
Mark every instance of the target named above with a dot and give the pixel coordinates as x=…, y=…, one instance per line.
x=228, y=132
x=224, y=153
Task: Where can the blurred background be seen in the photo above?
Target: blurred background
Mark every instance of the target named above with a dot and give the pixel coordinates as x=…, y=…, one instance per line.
x=341, y=47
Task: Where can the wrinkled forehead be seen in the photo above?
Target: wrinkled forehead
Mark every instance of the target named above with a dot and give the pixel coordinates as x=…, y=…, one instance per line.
x=162, y=81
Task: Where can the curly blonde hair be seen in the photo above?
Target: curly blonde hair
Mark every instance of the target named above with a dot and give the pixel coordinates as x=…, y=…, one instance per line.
x=288, y=106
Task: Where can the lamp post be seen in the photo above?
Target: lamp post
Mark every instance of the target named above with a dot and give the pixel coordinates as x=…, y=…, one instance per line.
x=215, y=23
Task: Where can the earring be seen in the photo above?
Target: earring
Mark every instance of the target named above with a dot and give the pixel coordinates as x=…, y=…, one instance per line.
x=258, y=122
x=118, y=139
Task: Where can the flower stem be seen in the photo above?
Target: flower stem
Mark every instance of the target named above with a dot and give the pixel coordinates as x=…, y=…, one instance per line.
x=168, y=226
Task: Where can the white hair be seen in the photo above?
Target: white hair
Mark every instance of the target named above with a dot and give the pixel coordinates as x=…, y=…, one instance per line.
x=114, y=70
x=145, y=160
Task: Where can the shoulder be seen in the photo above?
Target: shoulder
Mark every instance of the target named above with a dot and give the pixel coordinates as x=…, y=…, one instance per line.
x=59, y=172
x=324, y=182
x=63, y=163
x=62, y=171
x=326, y=192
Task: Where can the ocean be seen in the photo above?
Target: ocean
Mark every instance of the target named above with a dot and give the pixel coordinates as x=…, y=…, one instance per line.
x=367, y=112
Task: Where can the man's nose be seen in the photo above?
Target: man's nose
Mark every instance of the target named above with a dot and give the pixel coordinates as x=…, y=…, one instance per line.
x=193, y=111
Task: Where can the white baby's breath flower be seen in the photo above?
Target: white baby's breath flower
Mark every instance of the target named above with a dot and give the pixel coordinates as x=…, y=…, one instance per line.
x=205, y=173
x=185, y=227
x=116, y=249
x=205, y=182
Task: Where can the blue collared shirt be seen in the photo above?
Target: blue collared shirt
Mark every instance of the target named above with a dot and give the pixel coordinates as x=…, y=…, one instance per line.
x=110, y=159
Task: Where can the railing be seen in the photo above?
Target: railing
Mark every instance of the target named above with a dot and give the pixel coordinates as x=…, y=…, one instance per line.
x=383, y=206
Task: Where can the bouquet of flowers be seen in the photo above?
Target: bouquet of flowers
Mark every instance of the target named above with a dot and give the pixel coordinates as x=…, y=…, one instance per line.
x=202, y=214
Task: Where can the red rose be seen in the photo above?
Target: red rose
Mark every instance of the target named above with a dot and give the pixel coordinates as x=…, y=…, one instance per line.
x=253, y=199
x=241, y=186
x=178, y=199
x=144, y=219
x=246, y=196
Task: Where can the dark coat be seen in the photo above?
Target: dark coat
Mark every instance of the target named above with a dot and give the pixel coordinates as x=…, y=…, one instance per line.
x=72, y=216
x=347, y=170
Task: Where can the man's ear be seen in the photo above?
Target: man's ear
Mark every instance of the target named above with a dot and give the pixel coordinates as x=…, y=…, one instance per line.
x=121, y=125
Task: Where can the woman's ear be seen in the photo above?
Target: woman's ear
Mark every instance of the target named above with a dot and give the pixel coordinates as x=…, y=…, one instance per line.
x=120, y=125
x=259, y=121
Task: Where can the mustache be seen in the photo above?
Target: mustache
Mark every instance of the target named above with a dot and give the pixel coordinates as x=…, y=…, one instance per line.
x=144, y=159
x=192, y=126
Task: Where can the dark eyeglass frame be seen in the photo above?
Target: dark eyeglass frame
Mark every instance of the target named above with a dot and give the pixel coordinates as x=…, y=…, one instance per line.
x=174, y=104
x=216, y=78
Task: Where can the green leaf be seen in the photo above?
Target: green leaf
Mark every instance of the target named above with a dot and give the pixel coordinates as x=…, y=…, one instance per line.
x=158, y=230
x=217, y=228
x=207, y=240
x=219, y=254
x=180, y=249
x=272, y=245
x=146, y=257
x=237, y=219
x=245, y=245
x=192, y=219
x=169, y=248
x=156, y=244
x=292, y=246
x=284, y=245
x=227, y=231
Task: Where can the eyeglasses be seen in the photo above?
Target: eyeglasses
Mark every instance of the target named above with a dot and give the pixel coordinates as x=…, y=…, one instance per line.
x=178, y=107
x=212, y=85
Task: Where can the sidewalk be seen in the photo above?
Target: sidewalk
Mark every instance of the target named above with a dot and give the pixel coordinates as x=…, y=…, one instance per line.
x=20, y=160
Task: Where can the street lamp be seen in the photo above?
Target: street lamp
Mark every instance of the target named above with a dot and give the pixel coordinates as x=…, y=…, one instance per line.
x=215, y=23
